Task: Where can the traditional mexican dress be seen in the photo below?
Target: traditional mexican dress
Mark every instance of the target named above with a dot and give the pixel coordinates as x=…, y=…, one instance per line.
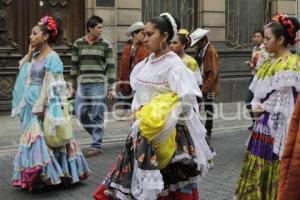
x=39, y=86
x=162, y=157
x=275, y=87
x=192, y=64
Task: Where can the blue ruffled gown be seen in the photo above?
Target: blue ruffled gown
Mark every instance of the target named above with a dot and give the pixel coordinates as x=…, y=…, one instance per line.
x=36, y=164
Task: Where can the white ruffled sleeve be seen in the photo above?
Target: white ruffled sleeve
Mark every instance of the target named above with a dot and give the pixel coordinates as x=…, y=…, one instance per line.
x=133, y=82
x=183, y=82
x=280, y=105
x=133, y=75
x=23, y=61
x=198, y=76
x=134, y=104
x=280, y=101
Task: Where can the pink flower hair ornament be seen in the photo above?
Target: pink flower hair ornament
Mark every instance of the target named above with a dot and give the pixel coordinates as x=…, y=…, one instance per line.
x=51, y=26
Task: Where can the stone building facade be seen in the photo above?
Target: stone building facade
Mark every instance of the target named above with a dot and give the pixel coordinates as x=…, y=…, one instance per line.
x=215, y=15
x=231, y=23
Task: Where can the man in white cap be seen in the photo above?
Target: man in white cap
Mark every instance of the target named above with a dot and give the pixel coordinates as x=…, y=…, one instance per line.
x=208, y=61
x=133, y=52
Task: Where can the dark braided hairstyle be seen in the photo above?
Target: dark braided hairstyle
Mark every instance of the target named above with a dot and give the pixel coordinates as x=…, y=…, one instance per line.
x=285, y=26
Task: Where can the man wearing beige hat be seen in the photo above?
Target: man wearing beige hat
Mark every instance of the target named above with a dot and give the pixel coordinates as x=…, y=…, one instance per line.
x=133, y=52
x=208, y=61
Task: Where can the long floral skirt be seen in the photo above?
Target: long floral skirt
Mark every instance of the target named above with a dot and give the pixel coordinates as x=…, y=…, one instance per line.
x=259, y=177
x=36, y=164
x=179, y=176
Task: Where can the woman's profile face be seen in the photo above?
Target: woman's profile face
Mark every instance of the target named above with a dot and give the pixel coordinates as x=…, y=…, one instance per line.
x=270, y=41
x=177, y=46
x=153, y=38
x=37, y=37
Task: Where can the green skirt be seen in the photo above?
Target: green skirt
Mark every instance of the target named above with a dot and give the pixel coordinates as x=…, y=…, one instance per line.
x=259, y=179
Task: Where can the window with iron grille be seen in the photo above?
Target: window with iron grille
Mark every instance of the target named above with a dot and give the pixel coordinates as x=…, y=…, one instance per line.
x=183, y=10
x=243, y=17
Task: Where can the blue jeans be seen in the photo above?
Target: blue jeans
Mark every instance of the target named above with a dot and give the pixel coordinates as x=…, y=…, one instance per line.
x=90, y=105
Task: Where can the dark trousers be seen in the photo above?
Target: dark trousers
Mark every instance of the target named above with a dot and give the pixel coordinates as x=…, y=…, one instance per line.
x=208, y=99
x=124, y=101
x=248, y=100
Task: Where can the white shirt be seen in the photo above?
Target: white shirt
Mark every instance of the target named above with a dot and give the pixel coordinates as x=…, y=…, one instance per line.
x=167, y=73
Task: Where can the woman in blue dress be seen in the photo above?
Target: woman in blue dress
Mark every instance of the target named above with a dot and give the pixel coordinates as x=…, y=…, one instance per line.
x=39, y=91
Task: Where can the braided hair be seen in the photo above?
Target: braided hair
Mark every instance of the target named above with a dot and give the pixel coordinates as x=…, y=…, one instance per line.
x=286, y=26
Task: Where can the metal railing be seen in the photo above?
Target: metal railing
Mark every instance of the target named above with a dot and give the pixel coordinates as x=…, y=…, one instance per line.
x=183, y=10
x=243, y=17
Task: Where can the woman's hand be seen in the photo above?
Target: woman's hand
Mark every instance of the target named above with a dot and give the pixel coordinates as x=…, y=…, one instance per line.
x=71, y=91
x=111, y=95
x=31, y=50
x=252, y=67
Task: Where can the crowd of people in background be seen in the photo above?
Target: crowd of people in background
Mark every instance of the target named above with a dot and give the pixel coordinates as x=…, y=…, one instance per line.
x=163, y=89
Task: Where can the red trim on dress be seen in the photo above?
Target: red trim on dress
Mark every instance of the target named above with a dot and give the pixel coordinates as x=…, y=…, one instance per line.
x=165, y=82
x=160, y=59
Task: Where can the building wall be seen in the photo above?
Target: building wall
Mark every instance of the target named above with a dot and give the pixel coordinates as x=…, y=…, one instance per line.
x=284, y=6
x=116, y=19
x=234, y=73
x=212, y=16
x=108, y=14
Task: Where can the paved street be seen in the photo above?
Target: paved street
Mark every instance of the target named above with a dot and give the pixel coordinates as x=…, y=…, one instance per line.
x=228, y=140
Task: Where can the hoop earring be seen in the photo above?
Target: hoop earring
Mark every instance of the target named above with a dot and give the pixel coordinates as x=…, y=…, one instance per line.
x=163, y=50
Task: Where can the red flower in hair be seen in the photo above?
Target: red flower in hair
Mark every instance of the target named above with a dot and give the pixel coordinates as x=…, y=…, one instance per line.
x=51, y=26
x=288, y=25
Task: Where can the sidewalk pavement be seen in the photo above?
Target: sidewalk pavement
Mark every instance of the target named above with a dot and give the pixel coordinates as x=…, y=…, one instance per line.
x=226, y=116
x=229, y=136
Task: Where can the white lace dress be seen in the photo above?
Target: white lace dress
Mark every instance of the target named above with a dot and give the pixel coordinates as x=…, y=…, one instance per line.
x=149, y=78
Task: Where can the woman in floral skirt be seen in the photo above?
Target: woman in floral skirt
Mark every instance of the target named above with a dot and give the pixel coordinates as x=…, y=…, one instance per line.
x=275, y=87
x=166, y=150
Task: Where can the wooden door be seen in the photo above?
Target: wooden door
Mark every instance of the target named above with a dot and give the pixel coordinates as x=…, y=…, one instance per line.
x=17, y=17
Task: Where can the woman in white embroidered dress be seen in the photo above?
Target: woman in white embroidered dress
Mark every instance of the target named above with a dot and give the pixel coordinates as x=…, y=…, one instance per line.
x=136, y=173
x=275, y=88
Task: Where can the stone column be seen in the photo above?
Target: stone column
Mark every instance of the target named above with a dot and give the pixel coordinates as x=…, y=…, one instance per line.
x=290, y=7
x=128, y=12
x=284, y=6
x=211, y=15
x=108, y=14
